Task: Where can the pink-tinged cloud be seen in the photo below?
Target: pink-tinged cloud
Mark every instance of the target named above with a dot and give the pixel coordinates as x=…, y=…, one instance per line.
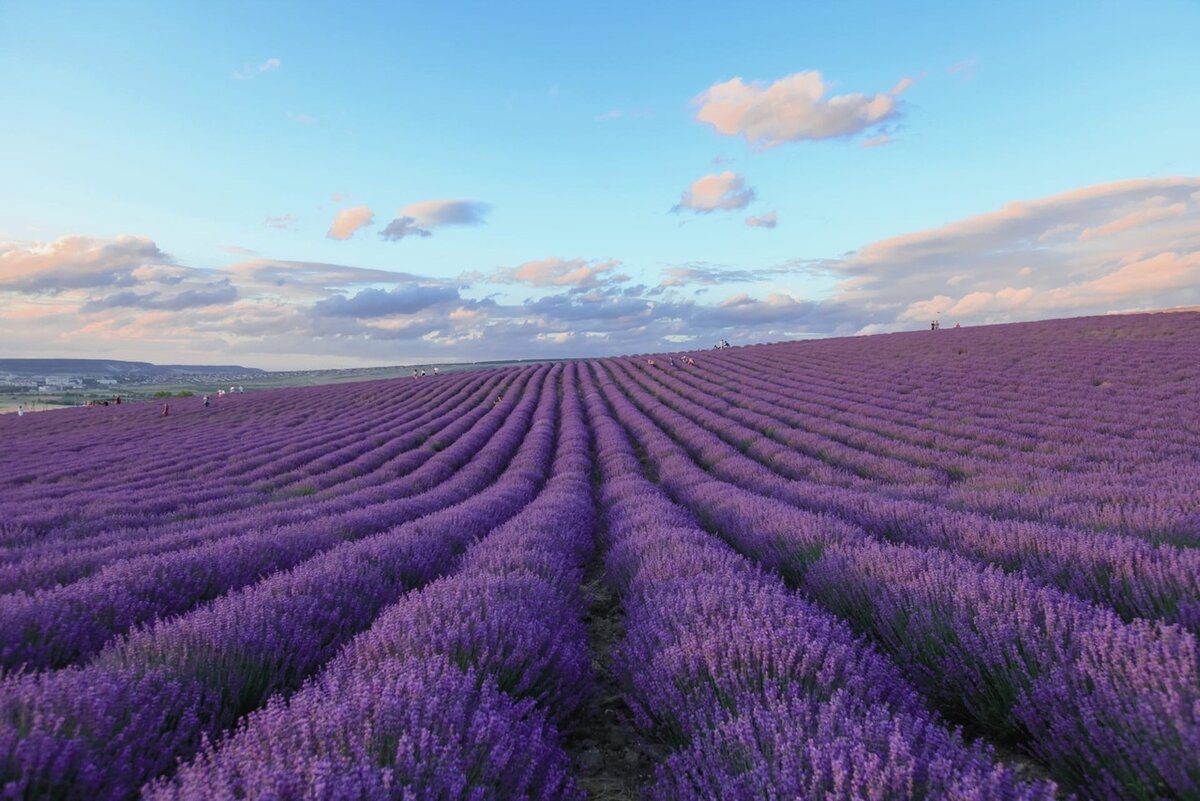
x=879, y=140
x=80, y=262
x=1021, y=222
x=83, y=276
x=1162, y=271
x=559, y=272
x=1119, y=246
x=768, y=220
x=417, y=219
x=124, y=297
x=793, y=109
x=720, y=191
x=965, y=68
x=432, y=213
x=1153, y=212
x=347, y=221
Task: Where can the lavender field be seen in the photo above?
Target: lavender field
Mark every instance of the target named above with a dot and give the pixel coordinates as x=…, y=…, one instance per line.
x=959, y=564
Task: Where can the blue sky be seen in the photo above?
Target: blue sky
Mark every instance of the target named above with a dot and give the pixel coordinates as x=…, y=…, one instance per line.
x=227, y=136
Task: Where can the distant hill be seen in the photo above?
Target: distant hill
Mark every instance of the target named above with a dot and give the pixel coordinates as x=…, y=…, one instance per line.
x=114, y=367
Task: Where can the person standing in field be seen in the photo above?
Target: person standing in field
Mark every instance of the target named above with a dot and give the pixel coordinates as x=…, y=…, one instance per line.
x=20, y=410
x=207, y=402
x=166, y=410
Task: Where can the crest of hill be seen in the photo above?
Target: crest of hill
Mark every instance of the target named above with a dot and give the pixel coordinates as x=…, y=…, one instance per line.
x=115, y=367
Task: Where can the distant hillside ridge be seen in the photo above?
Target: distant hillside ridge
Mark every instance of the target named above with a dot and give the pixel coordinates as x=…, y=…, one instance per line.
x=115, y=367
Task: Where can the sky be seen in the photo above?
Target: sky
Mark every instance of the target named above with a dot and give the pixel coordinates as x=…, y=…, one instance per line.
x=296, y=186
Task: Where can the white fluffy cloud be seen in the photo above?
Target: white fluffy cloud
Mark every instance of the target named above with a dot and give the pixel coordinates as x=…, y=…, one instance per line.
x=793, y=109
x=719, y=191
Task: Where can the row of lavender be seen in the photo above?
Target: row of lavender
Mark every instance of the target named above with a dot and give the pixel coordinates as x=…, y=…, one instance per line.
x=1110, y=707
x=1050, y=420
x=1091, y=477
x=154, y=695
x=757, y=693
x=1132, y=576
x=57, y=626
x=456, y=691
x=360, y=484
x=195, y=463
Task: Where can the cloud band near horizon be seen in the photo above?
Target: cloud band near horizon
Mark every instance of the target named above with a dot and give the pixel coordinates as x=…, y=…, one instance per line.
x=1127, y=245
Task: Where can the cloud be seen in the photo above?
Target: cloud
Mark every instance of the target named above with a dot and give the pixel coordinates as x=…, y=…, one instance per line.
x=628, y=114
x=238, y=250
x=80, y=262
x=303, y=119
x=347, y=221
x=282, y=222
x=965, y=68
x=80, y=275
x=433, y=213
x=879, y=140
x=726, y=190
x=1129, y=244
x=704, y=274
x=558, y=272
x=215, y=293
x=793, y=109
x=403, y=299
x=416, y=219
x=402, y=227
x=304, y=280
x=1030, y=259
x=247, y=72
x=767, y=220
x=1152, y=211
